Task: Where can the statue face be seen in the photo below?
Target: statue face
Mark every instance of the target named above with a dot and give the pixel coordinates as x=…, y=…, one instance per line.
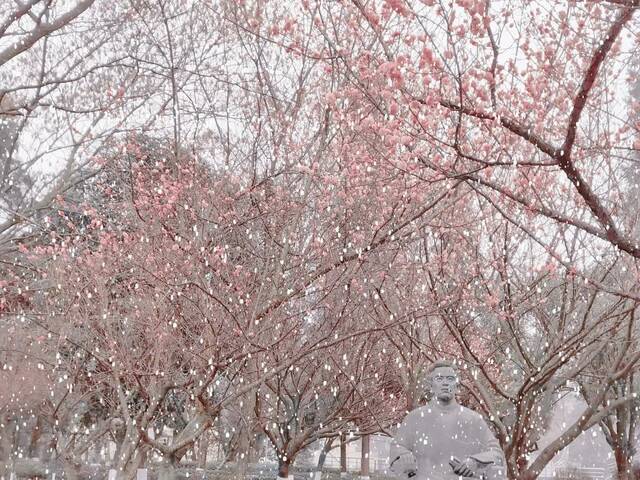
x=444, y=383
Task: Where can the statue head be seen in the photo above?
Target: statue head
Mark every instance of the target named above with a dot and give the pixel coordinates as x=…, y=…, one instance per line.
x=443, y=379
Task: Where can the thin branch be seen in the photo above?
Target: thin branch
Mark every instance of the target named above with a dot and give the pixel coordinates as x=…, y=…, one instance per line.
x=42, y=30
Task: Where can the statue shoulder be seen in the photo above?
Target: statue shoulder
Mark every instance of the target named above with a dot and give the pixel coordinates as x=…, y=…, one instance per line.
x=472, y=415
x=419, y=412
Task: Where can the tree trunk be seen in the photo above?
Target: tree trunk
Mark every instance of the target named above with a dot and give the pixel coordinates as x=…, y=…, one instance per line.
x=323, y=456
x=203, y=448
x=244, y=445
x=343, y=454
x=324, y=452
x=517, y=465
x=242, y=465
x=5, y=442
x=283, y=469
x=126, y=463
x=190, y=434
x=168, y=470
x=25, y=468
x=71, y=470
x=364, y=460
x=36, y=434
x=623, y=465
x=525, y=476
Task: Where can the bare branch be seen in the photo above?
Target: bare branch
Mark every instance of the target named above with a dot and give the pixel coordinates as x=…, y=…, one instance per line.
x=42, y=30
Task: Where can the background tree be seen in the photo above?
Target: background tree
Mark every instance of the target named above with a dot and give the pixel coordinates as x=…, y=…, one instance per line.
x=188, y=187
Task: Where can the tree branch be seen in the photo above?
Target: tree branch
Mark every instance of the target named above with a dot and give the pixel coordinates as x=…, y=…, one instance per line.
x=564, y=159
x=40, y=31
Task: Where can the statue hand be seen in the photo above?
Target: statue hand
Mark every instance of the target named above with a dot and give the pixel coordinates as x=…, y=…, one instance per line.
x=464, y=468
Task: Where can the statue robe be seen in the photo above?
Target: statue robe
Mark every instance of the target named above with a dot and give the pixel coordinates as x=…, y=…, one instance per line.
x=430, y=436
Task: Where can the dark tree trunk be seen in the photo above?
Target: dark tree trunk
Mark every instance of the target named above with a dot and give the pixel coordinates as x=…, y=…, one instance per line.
x=343, y=454
x=364, y=460
x=516, y=466
x=324, y=452
x=623, y=465
x=283, y=469
x=323, y=457
x=525, y=476
x=36, y=435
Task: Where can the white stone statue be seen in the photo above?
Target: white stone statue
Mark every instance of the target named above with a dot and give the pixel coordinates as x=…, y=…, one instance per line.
x=444, y=440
